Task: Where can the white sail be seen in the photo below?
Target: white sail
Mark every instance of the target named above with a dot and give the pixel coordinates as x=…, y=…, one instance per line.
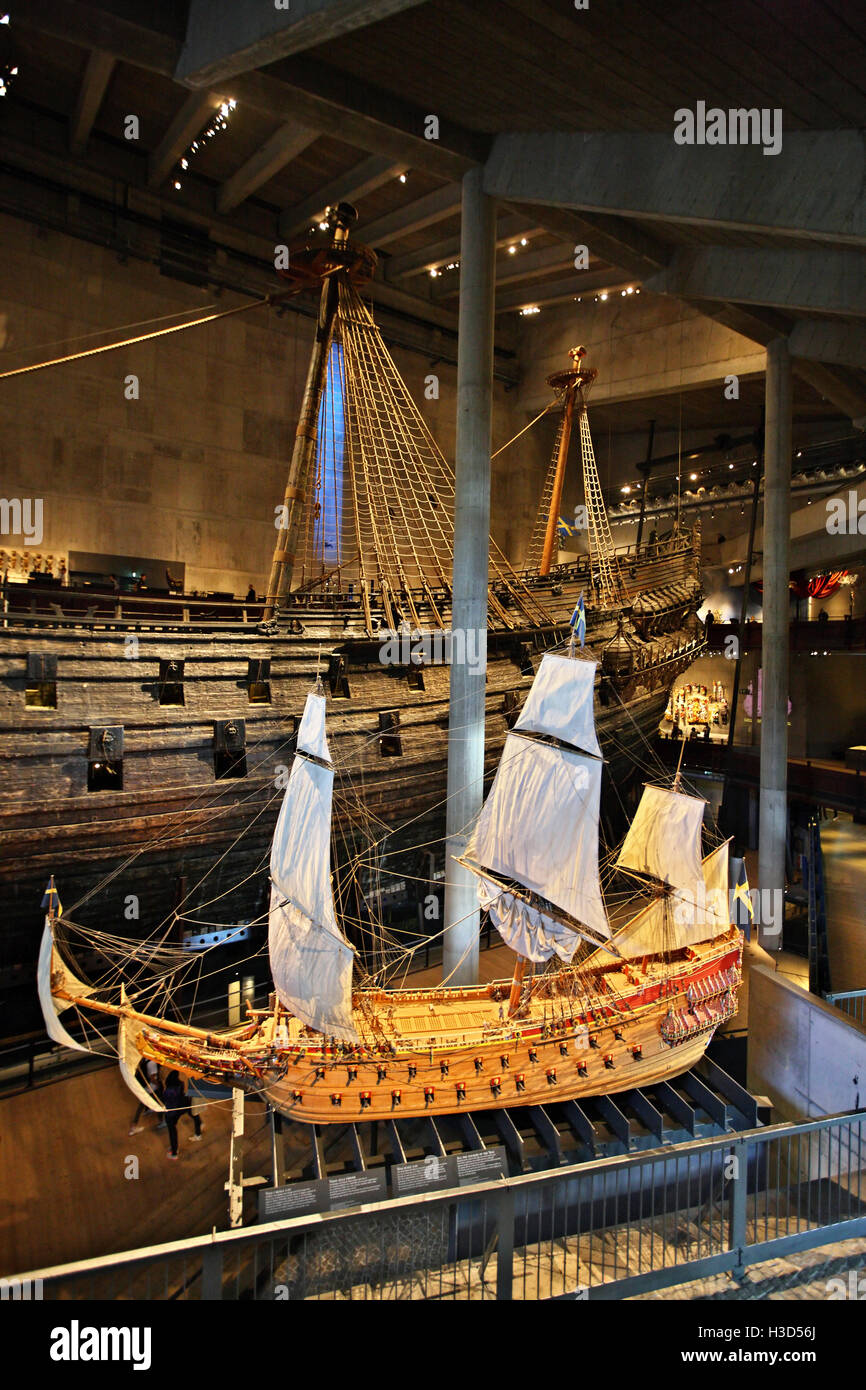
x=128, y=1057
x=311, y=961
x=664, y=838
x=706, y=902
x=527, y=930
x=539, y=826
x=50, y=970
x=560, y=702
x=649, y=931
x=683, y=917
x=312, y=738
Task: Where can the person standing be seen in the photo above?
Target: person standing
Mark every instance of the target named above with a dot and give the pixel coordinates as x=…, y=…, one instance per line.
x=176, y=1103
x=147, y=1075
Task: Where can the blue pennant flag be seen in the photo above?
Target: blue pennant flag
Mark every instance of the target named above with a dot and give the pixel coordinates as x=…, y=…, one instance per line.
x=578, y=620
x=51, y=899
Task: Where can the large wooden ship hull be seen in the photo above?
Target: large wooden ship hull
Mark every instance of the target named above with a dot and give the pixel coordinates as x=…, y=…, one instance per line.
x=180, y=820
x=433, y=1052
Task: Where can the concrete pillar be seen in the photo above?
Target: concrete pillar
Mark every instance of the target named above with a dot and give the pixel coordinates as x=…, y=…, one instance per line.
x=774, y=711
x=471, y=546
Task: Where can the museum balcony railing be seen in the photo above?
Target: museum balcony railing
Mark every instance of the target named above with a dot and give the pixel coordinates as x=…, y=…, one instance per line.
x=607, y=1228
x=813, y=637
x=851, y=1002
x=811, y=781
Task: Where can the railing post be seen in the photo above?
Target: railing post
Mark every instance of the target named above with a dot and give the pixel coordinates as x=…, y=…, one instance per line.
x=505, y=1245
x=738, y=1160
x=212, y=1274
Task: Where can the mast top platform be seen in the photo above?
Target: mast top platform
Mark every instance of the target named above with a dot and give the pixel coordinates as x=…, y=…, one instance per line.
x=315, y=261
x=576, y=375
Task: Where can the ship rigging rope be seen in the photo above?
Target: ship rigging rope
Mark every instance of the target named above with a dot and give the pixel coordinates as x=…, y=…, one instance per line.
x=103, y=938
x=551, y=405
x=391, y=953
x=399, y=488
x=139, y=337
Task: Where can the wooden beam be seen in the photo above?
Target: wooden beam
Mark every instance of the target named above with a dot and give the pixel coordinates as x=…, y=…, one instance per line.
x=97, y=73
x=424, y=212
x=361, y=179
x=224, y=38
x=283, y=146
x=187, y=124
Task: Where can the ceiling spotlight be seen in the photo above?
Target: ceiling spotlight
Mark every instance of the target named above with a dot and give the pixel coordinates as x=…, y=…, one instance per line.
x=402, y=178
x=523, y=241
x=511, y=250
x=177, y=183
x=323, y=226
x=693, y=477
x=730, y=465
x=625, y=489
x=630, y=289
x=603, y=295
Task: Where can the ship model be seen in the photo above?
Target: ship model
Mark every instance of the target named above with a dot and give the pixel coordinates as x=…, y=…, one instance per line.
x=142, y=731
x=589, y=1009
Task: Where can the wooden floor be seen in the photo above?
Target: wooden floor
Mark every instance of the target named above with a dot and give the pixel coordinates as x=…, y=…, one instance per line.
x=64, y=1150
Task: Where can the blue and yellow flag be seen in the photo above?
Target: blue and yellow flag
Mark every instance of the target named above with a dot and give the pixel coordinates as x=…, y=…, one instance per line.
x=51, y=899
x=578, y=620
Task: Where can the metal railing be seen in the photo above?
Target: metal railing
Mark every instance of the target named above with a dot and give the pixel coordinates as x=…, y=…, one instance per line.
x=609, y=1229
x=851, y=1002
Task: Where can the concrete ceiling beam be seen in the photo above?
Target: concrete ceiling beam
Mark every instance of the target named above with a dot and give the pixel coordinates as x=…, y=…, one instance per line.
x=627, y=245
x=190, y=120
x=227, y=37
x=97, y=74
x=796, y=192
x=820, y=340
x=508, y=229
x=361, y=179
x=306, y=91
x=283, y=146
x=784, y=278
x=579, y=283
x=434, y=207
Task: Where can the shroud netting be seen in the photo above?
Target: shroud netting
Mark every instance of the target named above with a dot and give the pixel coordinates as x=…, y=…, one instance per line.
x=605, y=567
x=382, y=516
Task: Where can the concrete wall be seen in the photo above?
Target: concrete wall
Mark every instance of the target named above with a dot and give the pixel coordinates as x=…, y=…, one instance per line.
x=642, y=345
x=804, y=1054
x=193, y=469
